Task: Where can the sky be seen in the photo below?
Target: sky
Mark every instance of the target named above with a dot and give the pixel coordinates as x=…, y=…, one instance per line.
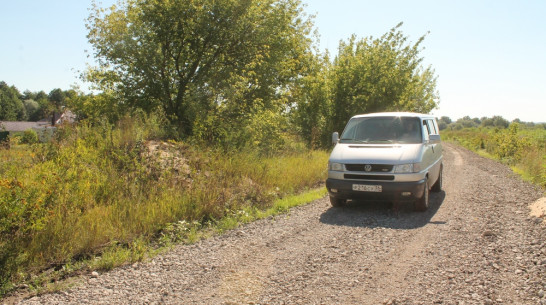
x=489, y=56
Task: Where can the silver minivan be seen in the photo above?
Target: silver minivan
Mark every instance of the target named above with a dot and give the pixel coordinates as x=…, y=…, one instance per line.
x=394, y=156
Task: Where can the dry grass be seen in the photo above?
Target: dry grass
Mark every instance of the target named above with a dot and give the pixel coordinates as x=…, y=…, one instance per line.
x=104, y=189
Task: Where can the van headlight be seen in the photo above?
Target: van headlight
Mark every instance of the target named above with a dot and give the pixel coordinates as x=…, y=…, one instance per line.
x=407, y=168
x=336, y=167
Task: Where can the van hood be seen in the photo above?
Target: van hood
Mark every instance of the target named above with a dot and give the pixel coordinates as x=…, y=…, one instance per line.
x=376, y=154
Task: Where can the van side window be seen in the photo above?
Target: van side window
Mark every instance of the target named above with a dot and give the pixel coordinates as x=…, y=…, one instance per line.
x=430, y=127
x=426, y=130
x=435, y=125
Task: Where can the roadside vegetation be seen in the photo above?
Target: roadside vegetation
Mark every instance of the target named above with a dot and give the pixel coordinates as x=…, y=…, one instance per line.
x=105, y=188
x=520, y=145
x=204, y=114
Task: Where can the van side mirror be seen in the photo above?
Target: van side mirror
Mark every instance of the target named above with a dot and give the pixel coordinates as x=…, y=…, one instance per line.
x=335, y=138
x=434, y=138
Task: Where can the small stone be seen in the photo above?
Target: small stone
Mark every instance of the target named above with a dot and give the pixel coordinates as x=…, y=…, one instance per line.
x=541, y=293
x=488, y=233
x=94, y=274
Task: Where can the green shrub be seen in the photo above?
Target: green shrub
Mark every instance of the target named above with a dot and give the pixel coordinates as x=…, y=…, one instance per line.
x=522, y=148
x=100, y=184
x=29, y=137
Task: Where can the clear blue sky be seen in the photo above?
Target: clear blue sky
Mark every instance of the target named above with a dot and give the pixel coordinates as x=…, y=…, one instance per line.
x=490, y=56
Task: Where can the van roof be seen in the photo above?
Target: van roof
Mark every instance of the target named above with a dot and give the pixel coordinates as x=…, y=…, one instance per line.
x=404, y=114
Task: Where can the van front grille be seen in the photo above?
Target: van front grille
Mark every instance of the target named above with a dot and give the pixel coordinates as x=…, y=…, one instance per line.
x=377, y=168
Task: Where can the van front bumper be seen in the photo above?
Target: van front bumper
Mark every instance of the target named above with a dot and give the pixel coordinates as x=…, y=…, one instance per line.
x=401, y=191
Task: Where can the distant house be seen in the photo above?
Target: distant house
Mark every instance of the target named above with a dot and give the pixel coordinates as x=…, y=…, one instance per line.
x=44, y=127
x=59, y=118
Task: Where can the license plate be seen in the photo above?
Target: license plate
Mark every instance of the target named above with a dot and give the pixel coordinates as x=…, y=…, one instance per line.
x=367, y=188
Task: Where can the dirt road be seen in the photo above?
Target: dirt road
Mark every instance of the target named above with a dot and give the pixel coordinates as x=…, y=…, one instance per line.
x=476, y=245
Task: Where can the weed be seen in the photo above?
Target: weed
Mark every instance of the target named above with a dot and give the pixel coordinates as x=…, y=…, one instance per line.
x=524, y=149
x=102, y=191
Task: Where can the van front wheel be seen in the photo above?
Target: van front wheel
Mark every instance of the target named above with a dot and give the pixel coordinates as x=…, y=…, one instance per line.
x=422, y=203
x=336, y=202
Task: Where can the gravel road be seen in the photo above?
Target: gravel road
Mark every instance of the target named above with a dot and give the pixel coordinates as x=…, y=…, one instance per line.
x=476, y=245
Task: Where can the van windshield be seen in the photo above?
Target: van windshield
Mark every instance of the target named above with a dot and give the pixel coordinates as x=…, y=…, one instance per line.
x=383, y=130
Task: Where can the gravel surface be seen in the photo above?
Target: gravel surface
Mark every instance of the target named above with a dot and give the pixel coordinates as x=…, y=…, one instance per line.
x=477, y=244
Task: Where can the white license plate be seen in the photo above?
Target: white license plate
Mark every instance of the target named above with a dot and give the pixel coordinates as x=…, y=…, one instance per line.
x=367, y=188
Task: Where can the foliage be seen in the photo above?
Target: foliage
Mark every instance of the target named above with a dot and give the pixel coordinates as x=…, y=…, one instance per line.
x=98, y=107
x=196, y=59
x=33, y=110
x=312, y=112
x=34, y=106
x=518, y=145
x=368, y=75
x=29, y=137
x=493, y=122
x=11, y=106
x=99, y=185
x=382, y=74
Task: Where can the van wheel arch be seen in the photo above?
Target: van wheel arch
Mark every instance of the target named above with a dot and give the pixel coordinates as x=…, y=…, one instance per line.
x=422, y=203
x=337, y=202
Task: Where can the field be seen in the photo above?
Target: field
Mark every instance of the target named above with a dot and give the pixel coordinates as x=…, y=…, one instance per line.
x=107, y=194
x=521, y=147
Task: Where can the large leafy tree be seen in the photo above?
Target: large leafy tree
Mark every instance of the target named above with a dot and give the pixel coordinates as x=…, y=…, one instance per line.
x=382, y=74
x=11, y=106
x=311, y=114
x=194, y=59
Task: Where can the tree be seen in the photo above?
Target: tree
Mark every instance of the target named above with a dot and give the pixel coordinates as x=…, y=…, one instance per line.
x=11, y=106
x=467, y=122
x=446, y=120
x=56, y=98
x=45, y=108
x=197, y=59
x=500, y=122
x=33, y=110
x=383, y=74
x=487, y=122
x=312, y=112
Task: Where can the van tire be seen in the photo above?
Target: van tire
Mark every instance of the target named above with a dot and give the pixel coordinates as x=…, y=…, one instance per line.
x=422, y=203
x=437, y=187
x=336, y=202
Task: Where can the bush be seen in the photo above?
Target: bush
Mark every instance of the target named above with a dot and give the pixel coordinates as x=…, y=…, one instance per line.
x=29, y=137
x=522, y=148
x=96, y=185
x=508, y=144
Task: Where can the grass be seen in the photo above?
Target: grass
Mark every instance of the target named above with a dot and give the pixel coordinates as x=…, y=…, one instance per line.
x=180, y=232
x=109, y=195
x=523, y=149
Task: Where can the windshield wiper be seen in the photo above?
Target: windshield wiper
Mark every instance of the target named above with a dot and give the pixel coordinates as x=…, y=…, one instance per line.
x=355, y=140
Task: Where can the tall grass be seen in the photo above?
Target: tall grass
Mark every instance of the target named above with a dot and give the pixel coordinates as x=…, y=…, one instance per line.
x=97, y=186
x=524, y=149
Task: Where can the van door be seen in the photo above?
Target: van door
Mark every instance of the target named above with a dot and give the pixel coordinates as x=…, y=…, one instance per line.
x=433, y=149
